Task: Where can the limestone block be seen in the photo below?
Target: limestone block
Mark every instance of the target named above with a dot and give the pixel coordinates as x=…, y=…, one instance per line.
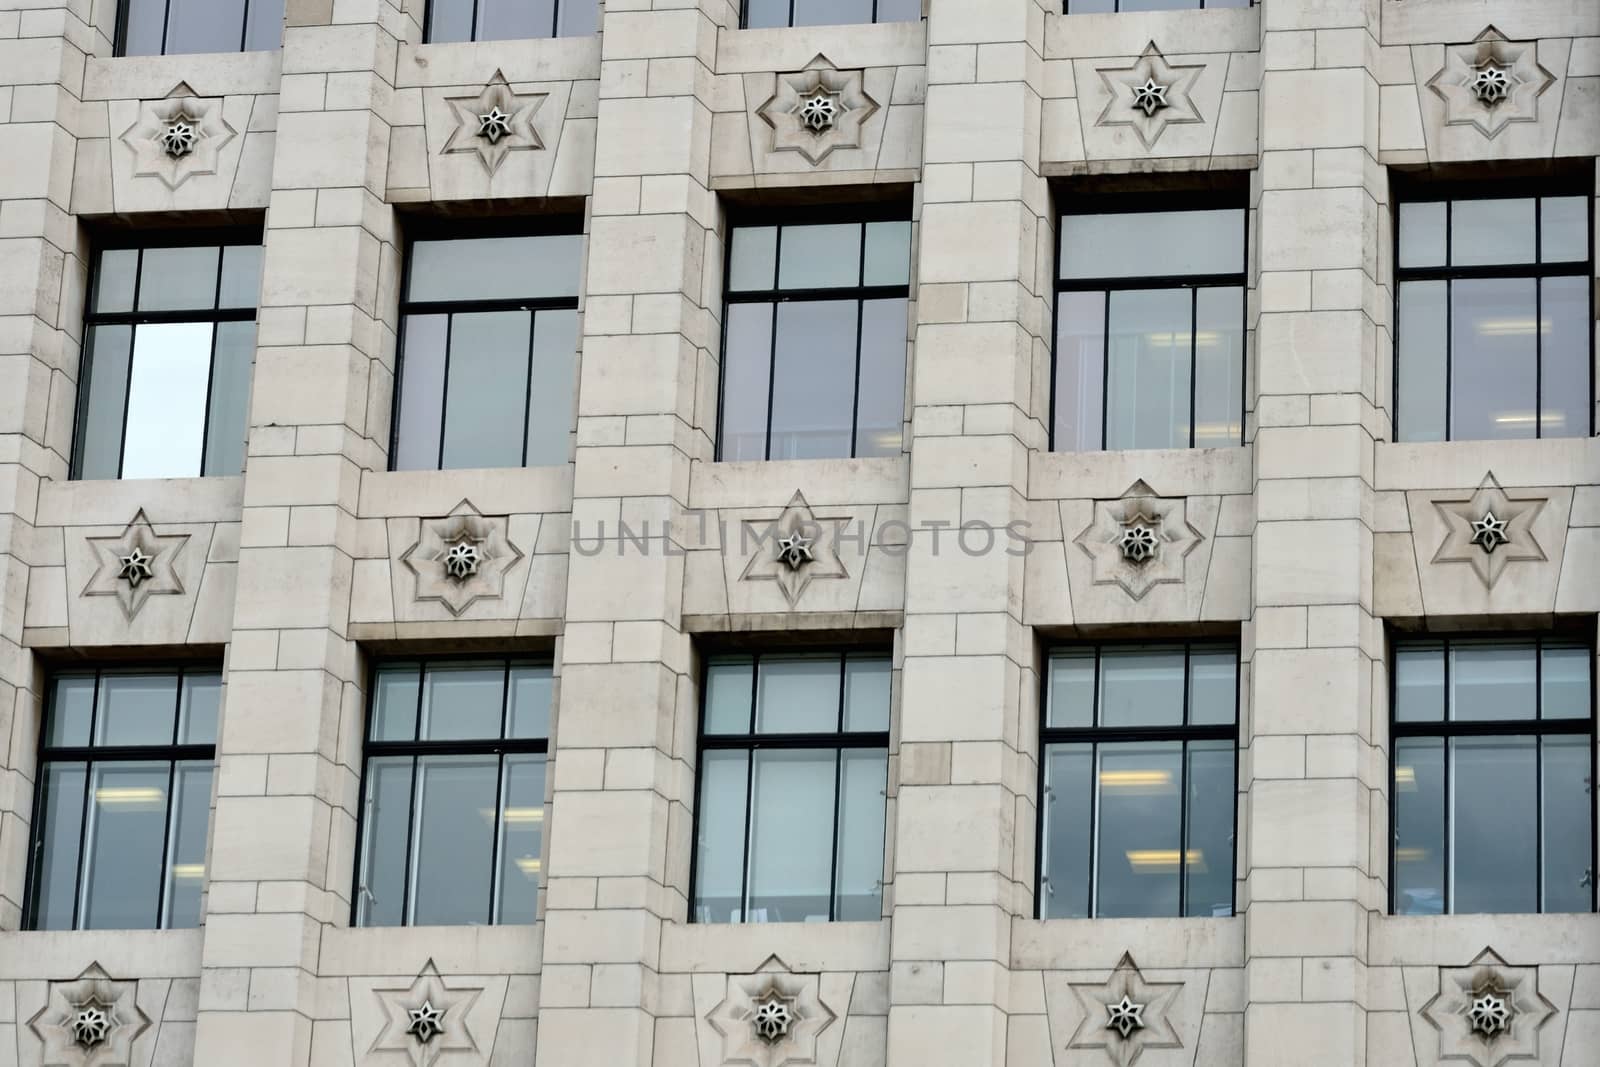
x=1115, y=128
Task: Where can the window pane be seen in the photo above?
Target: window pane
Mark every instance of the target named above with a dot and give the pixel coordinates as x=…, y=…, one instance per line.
x=815, y=257
x=579, y=18
x=1564, y=376
x=394, y=702
x=1071, y=689
x=1068, y=807
x=746, y=371
x=881, y=400
x=421, y=392
x=126, y=826
x=863, y=776
x=1419, y=826
x=1567, y=850
x=505, y=20
x=56, y=862
x=241, y=274
x=719, y=847
x=264, y=26
x=1422, y=234
x=229, y=414
x=1213, y=686
x=1493, y=791
x=1141, y=687
x=453, y=857
x=522, y=838
x=1208, y=863
x=1491, y=231
x=167, y=400
x=113, y=284
x=1419, y=683
x=764, y=13
x=1138, y=829
x=386, y=825
x=866, y=693
x=530, y=702
x=755, y=257
x=450, y=20
x=179, y=279
x=462, y=700
x=71, y=709
x=496, y=268
x=1147, y=393
x=198, y=704
x=552, y=389
x=1118, y=244
x=1424, y=357
x=1080, y=371
x=813, y=378
x=1492, y=681
x=1493, y=359
x=1091, y=7
x=798, y=694
x=888, y=254
x=186, y=869
x=487, y=389
x=831, y=12
x=899, y=10
x=204, y=26
x=1565, y=678
x=146, y=22
x=100, y=425
x=1219, y=367
x=136, y=709
x=1563, y=229
x=791, y=835
x=729, y=688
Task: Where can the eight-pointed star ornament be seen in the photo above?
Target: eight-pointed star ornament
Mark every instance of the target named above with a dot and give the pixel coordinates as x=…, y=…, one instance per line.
x=1149, y=95
x=771, y=1018
x=91, y=1021
x=461, y=558
x=494, y=123
x=1488, y=1012
x=178, y=136
x=793, y=549
x=1125, y=1014
x=1491, y=82
x=135, y=565
x=1489, y=530
x=1139, y=540
x=818, y=109
x=425, y=1020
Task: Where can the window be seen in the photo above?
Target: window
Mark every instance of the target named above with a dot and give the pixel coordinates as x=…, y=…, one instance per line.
x=1493, y=756
x=504, y=20
x=489, y=352
x=124, y=799
x=452, y=814
x=1150, y=347
x=170, y=343
x=1138, y=782
x=794, y=758
x=1473, y=278
x=764, y=13
x=1094, y=7
x=814, y=342
x=170, y=27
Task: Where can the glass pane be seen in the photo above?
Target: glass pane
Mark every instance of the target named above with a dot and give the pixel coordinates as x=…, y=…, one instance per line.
x=453, y=858
x=816, y=257
x=813, y=378
x=1422, y=234
x=719, y=847
x=1071, y=689
x=386, y=826
x=888, y=254
x=858, y=887
x=241, y=274
x=199, y=702
x=179, y=279
x=729, y=688
x=126, y=826
x=1492, y=681
x=1491, y=231
x=421, y=392
x=100, y=425
x=881, y=398
x=579, y=18
x=1424, y=356
x=1492, y=358
x=1213, y=685
x=766, y=13
x=496, y=268
x=1567, y=850
x=146, y=22
x=531, y=689
x=1565, y=678
x=1068, y=822
x=462, y=700
x=521, y=840
x=263, y=30
x=136, y=709
x=1419, y=826
x=832, y=12
x=1118, y=245
x=746, y=372
x=56, y=863
x=229, y=416
x=167, y=400
x=899, y=10
x=755, y=257
x=186, y=869
x=798, y=694
x=553, y=388
x=507, y=20
x=791, y=836
x=1091, y=7
x=1564, y=376
x=486, y=392
x=1563, y=229
x=1138, y=831
x=450, y=20
x=1419, y=683
x=394, y=702
x=1147, y=391
x=866, y=693
x=71, y=710
x=114, y=283
x=1208, y=862
x=204, y=26
x=1219, y=367
x=1493, y=790
x=1141, y=686
x=1080, y=371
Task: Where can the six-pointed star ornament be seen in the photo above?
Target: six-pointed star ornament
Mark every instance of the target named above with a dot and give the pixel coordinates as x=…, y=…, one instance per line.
x=1125, y=1014
x=1149, y=95
x=494, y=123
x=91, y=1021
x=793, y=549
x=818, y=109
x=1489, y=530
x=425, y=1020
x=135, y=565
x=1488, y=1012
x=178, y=136
x=1491, y=82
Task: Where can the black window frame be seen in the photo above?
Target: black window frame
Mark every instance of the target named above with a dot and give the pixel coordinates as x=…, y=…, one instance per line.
x=751, y=742
x=501, y=747
x=89, y=755
x=1538, y=727
x=1143, y=203
x=744, y=16
x=882, y=211
x=119, y=44
x=1094, y=736
x=1200, y=5
x=123, y=240
x=556, y=7
x=1447, y=191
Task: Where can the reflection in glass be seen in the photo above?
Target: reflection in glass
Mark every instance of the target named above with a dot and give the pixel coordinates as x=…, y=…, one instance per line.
x=1419, y=823
x=521, y=839
x=495, y=268
x=1492, y=681
x=424, y=338
x=1563, y=229
x=1493, y=856
x=99, y=451
x=462, y=700
x=1494, y=359
x=814, y=373
x=179, y=279
x=1564, y=357
x=1138, y=829
x=1422, y=233
x=1419, y=682
x=396, y=690
x=866, y=693
x=56, y=871
x=486, y=389
x=1072, y=677
x=186, y=842
x=71, y=709
x=729, y=685
x=1147, y=384
x=552, y=388
x=531, y=695
x=768, y=13
x=858, y=884
x=453, y=854
x=798, y=694
x=1564, y=678
x=123, y=836
x=113, y=285
x=1213, y=685
x=136, y=709
x=746, y=372
x=754, y=257
x=881, y=385
x=1566, y=806
x=820, y=256
x=1219, y=367
x=380, y=898
x=1491, y=231
x=1068, y=800
x=1080, y=371
x=1141, y=687
x=167, y=400
x=1424, y=360
x=1208, y=863
x=198, y=707
x=1117, y=244
x=791, y=844
x=504, y=20
x=229, y=404
x=720, y=842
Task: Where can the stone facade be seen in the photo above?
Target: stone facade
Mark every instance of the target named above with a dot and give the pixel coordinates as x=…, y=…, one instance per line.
x=1309, y=543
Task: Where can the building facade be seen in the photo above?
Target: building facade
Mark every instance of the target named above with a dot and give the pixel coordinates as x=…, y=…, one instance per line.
x=914, y=532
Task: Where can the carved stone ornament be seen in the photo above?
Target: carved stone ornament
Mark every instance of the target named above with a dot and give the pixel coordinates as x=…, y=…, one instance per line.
x=461, y=558
x=1149, y=95
x=494, y=123
x=1125, y=1014
x=771, y=1018
x=1488, y=1013
x=90, y=1021
x=1491, y=82
x=135, y=565
x=793, y=549
x=1139, y=540
x=425, y=1020
x=1489, y=530
x=817, y=110
x=178, y=136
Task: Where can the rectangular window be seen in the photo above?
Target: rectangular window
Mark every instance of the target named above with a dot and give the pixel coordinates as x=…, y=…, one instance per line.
x=171, y=27
x=1096, y=7
x=504, y=20
x=1493, y=760
x=1149, y=347
x=767, y=13
x=170, y=343
x=814, y=340
x=1137, y=781
x=1493, y=312
x=452, y=812
x=488, y=356
x=794, y=757
x=123, y=799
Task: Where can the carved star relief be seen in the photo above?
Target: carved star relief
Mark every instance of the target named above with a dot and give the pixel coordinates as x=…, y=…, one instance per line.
x=135, y=565
x=1125, y=1014
x=426, y=1019
x=494, y=123
x=1149, y=95
x=178, y=136
x=1489, y=530
x=771, y=1018
x=91, y=1021
x=1139, y=540
x=793, y=549
x=461, y=558
x=1488, y=1012
x=1491, y=82
x=818, y=109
